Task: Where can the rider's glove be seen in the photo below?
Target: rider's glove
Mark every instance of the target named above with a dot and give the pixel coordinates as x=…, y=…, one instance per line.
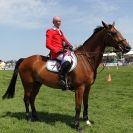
x=70, y=47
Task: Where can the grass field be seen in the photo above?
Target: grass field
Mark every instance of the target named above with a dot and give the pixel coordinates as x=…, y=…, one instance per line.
x=110, y=106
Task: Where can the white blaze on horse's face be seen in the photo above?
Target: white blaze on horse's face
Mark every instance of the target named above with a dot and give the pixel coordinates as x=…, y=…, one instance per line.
x=115, y=38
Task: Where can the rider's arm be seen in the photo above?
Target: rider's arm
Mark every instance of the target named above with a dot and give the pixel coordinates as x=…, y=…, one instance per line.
x=65, y=40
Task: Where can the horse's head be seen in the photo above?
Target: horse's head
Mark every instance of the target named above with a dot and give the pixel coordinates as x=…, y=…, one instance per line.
x=115, y=39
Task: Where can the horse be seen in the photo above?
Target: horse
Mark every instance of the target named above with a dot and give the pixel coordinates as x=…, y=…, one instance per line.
x=33, y=72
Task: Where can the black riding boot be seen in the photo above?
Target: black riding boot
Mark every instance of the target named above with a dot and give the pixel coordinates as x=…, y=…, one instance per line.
x=62, y=74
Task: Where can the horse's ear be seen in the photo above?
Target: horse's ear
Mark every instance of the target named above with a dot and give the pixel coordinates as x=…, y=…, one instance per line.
x=105, y=25
x=113, y=24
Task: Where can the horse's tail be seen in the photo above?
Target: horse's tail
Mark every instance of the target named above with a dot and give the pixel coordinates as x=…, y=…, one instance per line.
x=11, y=88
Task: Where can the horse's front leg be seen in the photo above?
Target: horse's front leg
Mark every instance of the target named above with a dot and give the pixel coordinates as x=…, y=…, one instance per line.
x=85, y=103
x=78, y=101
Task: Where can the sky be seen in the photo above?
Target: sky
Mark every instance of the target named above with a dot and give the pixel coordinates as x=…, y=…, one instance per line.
x=23, y=23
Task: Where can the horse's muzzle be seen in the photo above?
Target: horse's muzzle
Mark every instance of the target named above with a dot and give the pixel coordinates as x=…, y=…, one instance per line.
x=126, y=49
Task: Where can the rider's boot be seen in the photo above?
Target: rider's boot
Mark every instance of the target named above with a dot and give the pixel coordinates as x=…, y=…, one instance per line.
x=65, y=67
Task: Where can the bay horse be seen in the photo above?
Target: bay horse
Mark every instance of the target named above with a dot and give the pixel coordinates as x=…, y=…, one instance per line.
x=33, y=72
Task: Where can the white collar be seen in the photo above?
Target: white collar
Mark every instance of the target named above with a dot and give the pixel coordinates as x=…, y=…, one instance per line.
x=55, y=28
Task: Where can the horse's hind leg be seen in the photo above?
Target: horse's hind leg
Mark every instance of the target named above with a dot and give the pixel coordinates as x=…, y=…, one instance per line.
x=30, y=92
x=34, y=92
x=27, y=92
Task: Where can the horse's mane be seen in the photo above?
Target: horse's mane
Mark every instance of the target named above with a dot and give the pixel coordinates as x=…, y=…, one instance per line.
x=96, y=30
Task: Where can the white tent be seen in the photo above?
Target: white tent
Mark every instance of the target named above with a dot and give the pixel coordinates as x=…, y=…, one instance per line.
x=2, y=65
x=129, y=53
x=109, y=54
x=129, y=57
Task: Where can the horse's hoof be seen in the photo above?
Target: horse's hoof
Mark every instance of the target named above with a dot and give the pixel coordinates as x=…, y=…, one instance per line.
x=76, y=126
x=88, y=123
x=79, y=129
x=28, y=118
x=33, y=119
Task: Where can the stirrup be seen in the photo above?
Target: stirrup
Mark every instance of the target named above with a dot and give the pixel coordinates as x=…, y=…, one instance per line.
x=62, y=83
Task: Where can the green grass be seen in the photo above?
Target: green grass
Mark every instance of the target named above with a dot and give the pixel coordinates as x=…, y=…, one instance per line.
x=110, y=106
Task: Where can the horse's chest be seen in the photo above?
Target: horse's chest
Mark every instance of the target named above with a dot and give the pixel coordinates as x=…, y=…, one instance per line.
x=87, y=78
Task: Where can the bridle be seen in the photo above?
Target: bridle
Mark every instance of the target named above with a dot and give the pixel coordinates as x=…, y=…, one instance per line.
x=110, y=34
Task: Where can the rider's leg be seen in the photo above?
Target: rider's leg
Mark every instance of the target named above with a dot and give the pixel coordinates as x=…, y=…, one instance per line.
x=65, y=67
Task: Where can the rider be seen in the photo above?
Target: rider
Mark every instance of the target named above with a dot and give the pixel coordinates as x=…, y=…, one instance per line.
x=56, y=42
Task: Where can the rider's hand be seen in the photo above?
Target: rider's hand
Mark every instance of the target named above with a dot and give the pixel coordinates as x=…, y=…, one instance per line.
x=70, y=47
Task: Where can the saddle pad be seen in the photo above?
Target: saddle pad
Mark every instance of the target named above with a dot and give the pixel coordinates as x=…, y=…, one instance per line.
x=54, y=66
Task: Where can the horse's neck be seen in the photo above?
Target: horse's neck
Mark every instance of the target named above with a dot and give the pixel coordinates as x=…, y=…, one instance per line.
x=93, y=49
x=96, y=43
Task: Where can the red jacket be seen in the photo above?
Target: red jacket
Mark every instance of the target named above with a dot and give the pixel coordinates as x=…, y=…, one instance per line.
x=54, y=41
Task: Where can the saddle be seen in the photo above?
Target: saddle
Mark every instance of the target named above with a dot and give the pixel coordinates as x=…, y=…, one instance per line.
x=54, y=65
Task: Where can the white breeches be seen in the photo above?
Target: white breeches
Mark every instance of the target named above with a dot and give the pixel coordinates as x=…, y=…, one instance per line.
x=64, y=57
